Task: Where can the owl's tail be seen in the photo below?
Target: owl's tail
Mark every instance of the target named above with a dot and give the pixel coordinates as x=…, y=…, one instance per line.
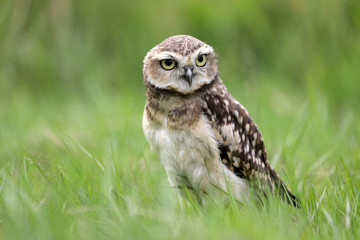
x=286, y=194
x=283, y=190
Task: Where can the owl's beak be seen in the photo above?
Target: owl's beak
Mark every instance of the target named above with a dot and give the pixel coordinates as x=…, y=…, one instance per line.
x=188, y=74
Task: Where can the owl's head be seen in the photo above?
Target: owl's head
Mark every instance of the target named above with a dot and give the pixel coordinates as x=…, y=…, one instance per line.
x=180, y=63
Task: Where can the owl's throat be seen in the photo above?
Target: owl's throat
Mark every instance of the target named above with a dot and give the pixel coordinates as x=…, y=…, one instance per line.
x=154, y=92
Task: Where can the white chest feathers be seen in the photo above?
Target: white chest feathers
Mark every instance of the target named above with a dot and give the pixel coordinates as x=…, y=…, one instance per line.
x=190, y=156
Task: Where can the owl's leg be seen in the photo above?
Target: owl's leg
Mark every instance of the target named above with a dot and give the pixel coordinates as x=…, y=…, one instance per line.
x=183, y=186
x=215, y=181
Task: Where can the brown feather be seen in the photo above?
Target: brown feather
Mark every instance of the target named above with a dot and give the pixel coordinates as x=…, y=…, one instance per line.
x=241, y=143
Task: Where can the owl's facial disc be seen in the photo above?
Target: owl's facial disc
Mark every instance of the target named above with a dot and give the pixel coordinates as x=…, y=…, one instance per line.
x=180, y=63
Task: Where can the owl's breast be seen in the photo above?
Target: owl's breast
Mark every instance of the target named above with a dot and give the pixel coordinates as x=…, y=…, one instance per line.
x=175, y=113
x=182, y=139
x=183, y=117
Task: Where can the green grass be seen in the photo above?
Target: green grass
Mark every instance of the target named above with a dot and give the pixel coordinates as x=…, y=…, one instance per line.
x=81, y=168
x=74, y=163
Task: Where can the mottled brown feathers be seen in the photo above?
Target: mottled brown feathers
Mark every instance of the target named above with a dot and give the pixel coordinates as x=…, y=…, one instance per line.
x=241, y=144
x=180, y=44
x=246, y=144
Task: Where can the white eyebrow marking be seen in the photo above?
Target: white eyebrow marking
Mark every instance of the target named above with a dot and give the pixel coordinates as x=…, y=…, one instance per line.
x=165, y=55
x=168, y=57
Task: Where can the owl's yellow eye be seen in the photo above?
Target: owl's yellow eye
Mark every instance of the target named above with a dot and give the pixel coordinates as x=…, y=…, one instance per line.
x=167, y=64
x=201, y=60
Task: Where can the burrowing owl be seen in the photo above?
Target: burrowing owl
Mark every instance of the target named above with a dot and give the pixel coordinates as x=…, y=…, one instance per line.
x=205, y=138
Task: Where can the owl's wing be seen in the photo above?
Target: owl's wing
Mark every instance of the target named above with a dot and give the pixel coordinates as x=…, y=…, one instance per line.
x=241, y=144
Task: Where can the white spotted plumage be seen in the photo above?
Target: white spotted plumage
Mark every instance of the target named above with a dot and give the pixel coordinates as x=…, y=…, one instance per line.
x=205, y=139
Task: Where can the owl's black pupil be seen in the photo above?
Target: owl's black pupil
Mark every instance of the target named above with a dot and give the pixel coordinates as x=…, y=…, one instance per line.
x=168, y=62
x=201, y=58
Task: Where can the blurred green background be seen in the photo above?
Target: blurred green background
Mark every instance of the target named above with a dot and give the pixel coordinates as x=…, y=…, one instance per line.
x=55, y=47
x=71, y=88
